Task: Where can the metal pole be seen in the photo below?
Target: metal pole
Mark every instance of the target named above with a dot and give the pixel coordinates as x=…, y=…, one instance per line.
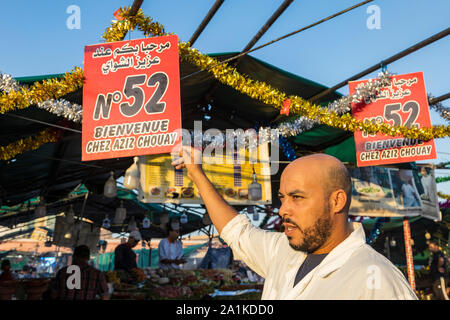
x=134, y=9
x=393, y=58
x=268, y=24
x=439, y=99
x=205, y=21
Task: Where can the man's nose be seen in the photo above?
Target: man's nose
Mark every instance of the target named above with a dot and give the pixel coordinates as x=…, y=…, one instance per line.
x=285, y=209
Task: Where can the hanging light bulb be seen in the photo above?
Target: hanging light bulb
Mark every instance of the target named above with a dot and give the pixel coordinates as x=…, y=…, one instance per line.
x=254, y=189
x=184, y=218
x=41, y=210
x=121, y=214
x=393, y=242
x=427, y=235
x=206, y=219
x=110, y=189
x=132, y=175
x=146, y=223
x=70, y=215
x=132, y=224
x=106, y=223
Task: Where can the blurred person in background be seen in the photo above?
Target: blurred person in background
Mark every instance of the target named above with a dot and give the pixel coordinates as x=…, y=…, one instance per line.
x=93, y=283
x=170, y=250
x=124, y=256
x=438, y=270
x=6, y=271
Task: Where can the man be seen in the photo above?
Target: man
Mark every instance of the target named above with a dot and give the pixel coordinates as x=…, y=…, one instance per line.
x=92, y=281
x=6, y=271
x=170, y=250
x=321, y=255
x=411, y=199
x=124, y=257
x=438, y=268
x=427, y=183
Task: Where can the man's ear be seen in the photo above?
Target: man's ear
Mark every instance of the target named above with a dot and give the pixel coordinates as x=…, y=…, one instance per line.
x=338, y=201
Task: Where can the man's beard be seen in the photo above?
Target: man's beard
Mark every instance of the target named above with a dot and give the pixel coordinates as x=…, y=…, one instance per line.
x=313, y=237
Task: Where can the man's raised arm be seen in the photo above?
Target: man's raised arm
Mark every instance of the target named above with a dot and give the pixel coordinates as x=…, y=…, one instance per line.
x=219, y=211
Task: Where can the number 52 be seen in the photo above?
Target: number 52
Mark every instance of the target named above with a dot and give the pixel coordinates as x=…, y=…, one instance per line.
x=132, y=89
x=391, y=113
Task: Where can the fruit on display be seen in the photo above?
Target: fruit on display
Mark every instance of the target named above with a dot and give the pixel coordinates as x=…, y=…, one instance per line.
x=111, y=277
x=139, y=274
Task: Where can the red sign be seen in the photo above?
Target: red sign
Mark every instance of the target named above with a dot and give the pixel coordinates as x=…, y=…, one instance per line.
x=131, y=98
x=405, y=103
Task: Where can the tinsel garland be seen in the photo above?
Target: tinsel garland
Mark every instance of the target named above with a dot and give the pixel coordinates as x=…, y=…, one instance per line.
x=444, y=112
x=443, y=196
x=263, y=91
x=444, y=204
x=8, y=83
x=31, y=143
x=442, y=179
x=364, y=91
x=376, y=230
x=288, y=150
x=40, y=92
x=63, y=108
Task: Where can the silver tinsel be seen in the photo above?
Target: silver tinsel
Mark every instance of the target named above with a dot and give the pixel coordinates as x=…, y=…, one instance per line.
x=63, y=108
x=445, y=112
x=8, y=83
x=364, y=91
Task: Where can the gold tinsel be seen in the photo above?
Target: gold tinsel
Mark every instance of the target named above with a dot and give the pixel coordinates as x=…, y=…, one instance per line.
x=39, y=92
x=263, y=91
x=27, y=144
x=443, y=196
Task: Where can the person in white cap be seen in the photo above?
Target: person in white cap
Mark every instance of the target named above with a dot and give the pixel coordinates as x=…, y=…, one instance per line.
x=124, y=257
x=170, y=249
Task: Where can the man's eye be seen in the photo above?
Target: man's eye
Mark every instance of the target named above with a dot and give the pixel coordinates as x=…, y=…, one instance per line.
x=297, y=197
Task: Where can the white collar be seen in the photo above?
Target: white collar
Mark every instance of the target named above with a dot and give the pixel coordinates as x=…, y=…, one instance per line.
x=340, y=254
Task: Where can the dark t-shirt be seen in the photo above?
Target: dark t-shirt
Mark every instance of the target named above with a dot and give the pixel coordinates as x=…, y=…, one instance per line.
x=124, y=258
x=311, y=261
x=434, y=267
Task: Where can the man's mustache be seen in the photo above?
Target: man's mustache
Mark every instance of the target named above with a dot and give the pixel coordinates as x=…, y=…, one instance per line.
x=287, y=220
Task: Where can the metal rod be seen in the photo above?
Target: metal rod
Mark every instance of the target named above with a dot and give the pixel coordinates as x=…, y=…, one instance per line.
x=268, y=24
x=281, y=38
x=133, y=11
x=41, y=122
x=393, y=58
x=439, y=99
x=205, y=21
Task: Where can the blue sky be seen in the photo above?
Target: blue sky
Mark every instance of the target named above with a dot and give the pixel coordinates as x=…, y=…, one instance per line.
x=36, y=40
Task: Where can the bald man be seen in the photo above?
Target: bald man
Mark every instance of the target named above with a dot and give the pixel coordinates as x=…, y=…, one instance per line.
x=320, y=255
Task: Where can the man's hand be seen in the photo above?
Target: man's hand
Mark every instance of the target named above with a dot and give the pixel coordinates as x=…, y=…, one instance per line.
x=180, y=261
x=189, y=158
